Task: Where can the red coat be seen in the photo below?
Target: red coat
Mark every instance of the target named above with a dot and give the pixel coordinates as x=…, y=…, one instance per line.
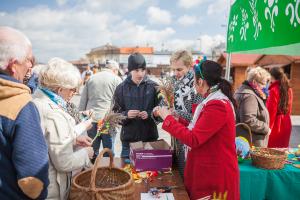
x=280, y=123
x=211, y=164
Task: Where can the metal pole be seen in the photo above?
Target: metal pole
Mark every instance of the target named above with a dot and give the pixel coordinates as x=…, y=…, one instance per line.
x=228, y=63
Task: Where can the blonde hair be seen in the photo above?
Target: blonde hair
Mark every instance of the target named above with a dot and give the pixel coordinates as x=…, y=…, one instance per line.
x=59, y=73
x=258, y=74
x=183, y=55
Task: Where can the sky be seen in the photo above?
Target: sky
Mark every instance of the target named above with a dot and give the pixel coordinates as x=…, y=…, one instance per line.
x=71, y=28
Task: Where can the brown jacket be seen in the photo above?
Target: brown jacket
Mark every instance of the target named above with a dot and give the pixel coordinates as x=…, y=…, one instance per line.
x=253, y=112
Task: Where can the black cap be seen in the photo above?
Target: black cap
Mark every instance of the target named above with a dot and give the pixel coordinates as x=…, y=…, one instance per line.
x=136, y=61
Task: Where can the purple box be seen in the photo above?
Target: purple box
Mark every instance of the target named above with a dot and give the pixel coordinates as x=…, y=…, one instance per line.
x=151, y=156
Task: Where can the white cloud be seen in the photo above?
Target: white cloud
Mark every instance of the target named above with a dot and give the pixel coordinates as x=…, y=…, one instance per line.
x=205, y=42
x=139, y=35
x=61, y=2
x=190, y=3
x=219, y=6
x=187, y=20
x=158, y=16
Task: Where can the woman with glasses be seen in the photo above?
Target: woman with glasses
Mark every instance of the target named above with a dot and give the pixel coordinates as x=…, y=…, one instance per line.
x=211, y=166
x=251, y=98
x=58, y=81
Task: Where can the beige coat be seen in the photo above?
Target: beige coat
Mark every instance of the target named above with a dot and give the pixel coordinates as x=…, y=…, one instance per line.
x=252, y=111
x=58, y=129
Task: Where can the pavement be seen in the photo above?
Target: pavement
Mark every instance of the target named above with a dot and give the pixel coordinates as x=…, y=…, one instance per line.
x=294, y=141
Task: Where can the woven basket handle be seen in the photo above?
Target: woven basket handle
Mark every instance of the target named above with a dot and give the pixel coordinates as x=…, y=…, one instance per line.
x=248, y=129
x=94, y=171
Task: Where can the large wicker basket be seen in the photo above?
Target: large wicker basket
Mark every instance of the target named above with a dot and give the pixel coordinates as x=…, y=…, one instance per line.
x=103, y=183
x=267, y=158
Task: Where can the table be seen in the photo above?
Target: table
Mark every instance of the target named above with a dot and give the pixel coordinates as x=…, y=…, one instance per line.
x=173, y=179
x=260, y=184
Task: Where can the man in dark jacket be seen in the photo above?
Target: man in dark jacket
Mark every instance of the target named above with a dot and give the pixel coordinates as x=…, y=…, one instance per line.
x=136, y=97
x=23, y=149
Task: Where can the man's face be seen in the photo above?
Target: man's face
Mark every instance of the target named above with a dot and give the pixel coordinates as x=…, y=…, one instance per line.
x=138, y=75
x=19, y=69
x=179, y=69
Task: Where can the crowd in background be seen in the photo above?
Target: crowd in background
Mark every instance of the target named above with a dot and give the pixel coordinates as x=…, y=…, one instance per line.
x=45, y=139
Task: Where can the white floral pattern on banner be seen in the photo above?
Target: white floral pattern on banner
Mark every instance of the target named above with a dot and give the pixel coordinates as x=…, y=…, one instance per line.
x=232, y=26
x=295, y=19
x=256, y=22
x=271, y=11
x=245, y=25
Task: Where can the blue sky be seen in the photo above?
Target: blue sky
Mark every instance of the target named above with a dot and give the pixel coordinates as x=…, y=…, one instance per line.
x=70, y=28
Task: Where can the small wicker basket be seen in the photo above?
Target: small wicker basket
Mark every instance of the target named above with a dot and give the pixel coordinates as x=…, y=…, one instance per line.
x=103, y=183
x=267, y=158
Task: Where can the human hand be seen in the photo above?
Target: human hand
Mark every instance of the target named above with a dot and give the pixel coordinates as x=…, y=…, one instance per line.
x=90, y=152
x=133, y=113
x=143, y=115
x=164, y=112
x=155, y=111
x=83, y=141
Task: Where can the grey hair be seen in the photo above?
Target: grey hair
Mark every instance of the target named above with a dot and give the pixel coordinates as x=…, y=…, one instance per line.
x=258, y=74
x=111, y=64
x=59, y=73
x=13, y=45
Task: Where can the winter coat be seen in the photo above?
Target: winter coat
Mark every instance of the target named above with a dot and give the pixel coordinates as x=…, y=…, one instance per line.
x=58, y=128
x=252, y=111
x=23, y=149
x=142, y=97
x=280, y=123
x=211, y=164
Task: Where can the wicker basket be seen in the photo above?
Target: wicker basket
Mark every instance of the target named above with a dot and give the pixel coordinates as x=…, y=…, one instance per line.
x=103, y=183
x=244, y=130
x=267, y=158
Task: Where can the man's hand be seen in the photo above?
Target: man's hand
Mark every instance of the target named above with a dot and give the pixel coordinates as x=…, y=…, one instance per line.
x=83, y=141
x=143, y=115
x=133, y=113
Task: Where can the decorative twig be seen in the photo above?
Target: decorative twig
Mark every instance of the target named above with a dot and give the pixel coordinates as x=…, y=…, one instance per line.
x=110, y=120
x=166, y=90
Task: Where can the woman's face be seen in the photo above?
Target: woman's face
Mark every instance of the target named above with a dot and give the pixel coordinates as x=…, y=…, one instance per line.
x=199, y=86
x=179, y=69
x=66, y=94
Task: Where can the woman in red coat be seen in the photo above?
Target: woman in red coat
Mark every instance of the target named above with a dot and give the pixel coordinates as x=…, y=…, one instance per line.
x=211, y=166
x=279, y=104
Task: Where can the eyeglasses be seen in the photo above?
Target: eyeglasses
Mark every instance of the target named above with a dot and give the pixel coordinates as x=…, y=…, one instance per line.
x=31, y=60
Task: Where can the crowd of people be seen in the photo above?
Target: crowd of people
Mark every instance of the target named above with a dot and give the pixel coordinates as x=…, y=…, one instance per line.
x=45, y=139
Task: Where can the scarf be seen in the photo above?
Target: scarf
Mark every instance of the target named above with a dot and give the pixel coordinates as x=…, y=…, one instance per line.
x=55, y=98
x=182, y=90
x=257, y=90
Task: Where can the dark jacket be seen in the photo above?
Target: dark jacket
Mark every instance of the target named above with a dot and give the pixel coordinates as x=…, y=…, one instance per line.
x=253, y=112
x=143, y=97
x=23, y=149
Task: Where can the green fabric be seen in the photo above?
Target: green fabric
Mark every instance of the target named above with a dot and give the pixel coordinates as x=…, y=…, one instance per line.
x=260, y=184
x=257, y=26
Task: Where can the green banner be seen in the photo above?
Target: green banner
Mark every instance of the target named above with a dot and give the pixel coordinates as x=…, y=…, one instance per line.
x=264, y=26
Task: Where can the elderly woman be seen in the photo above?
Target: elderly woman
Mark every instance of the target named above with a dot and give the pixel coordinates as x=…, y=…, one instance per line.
x=58, y=82
x=251, y=109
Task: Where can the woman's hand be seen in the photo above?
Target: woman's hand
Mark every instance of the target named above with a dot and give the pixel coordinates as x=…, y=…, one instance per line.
x=164, y=112
x=90, y=151
x=155, y=111
x=83, y=141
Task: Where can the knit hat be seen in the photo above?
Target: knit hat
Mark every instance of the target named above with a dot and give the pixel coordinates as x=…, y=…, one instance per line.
x=136, y=61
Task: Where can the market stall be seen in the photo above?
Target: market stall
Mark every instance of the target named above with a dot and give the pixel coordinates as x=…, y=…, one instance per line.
x=162, y=180
x=257, y=183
